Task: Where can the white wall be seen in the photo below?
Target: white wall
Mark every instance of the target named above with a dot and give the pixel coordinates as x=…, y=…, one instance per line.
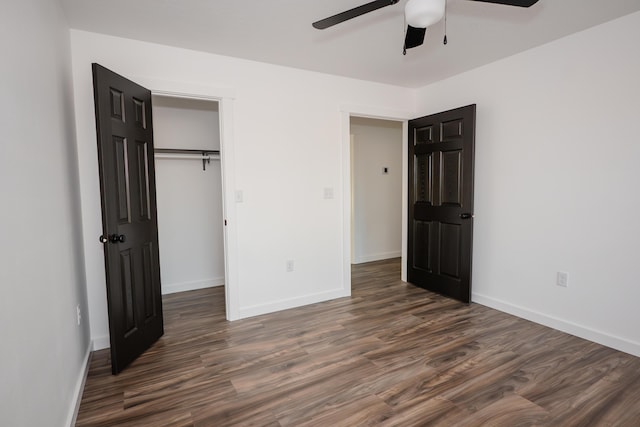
x=44, y=351
x=189, y=198
x=377, y=197
x=557, y=173
x=287, y=130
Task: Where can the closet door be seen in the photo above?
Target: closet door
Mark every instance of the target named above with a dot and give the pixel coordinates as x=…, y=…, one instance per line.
x=130, y=228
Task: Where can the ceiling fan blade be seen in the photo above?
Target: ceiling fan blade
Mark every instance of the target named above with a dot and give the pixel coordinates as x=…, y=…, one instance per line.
x=520, y=3
x=352, y=13
x=414, y=37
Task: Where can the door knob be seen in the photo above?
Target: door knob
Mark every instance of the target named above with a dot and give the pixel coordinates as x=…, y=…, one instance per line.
x=466, y=216
x=117, y=238
x=103, y=239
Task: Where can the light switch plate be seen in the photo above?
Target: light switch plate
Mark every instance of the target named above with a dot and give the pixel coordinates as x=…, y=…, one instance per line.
x=328, y=193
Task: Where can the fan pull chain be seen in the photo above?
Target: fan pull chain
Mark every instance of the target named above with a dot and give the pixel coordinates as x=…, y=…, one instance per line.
x=445, y=23
x=404, y=45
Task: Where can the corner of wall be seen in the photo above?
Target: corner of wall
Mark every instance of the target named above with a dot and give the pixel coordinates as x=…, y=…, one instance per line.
x=79, y=387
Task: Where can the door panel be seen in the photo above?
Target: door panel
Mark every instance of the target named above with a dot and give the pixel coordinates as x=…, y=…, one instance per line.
x=122, y=177
x=451, y=177
x=422, y=253
x=143, y=181
x=423, y=182
x=140, y=107
x=127, y=185
x=450, y=250
x=127, y=291
x=441, y=157
x=451, y=129
x=148, y=280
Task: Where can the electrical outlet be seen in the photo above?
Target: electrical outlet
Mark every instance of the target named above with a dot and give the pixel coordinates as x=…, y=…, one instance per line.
x=78, y=314
x=328, y=193
x=289, y=266
x=562, y=279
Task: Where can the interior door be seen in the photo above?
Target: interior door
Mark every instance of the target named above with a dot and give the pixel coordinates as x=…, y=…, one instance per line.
x=130, y=226
x=441, y=158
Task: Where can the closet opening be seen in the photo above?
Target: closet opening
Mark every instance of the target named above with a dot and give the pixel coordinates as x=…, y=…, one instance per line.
x=189, y=194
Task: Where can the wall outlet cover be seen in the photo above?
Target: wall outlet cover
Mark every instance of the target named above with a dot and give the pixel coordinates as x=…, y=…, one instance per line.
x=562, y=279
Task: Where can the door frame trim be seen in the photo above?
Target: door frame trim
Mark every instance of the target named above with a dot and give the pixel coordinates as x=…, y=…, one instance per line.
x=346, y=112
x=225, y=98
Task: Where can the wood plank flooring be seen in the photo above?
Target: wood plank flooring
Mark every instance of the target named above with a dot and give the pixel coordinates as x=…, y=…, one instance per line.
x=390, y=355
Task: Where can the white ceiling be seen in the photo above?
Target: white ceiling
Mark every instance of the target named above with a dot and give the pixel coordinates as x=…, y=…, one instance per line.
x=368, y=47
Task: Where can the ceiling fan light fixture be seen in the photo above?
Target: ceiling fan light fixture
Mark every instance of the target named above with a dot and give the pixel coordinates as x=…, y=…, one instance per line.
x=424, y=13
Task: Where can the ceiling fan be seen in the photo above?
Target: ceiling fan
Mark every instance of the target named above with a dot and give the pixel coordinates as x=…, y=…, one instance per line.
x=419, y=14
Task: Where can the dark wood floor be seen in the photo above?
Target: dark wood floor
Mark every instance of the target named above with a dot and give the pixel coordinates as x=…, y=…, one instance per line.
x=391, y=355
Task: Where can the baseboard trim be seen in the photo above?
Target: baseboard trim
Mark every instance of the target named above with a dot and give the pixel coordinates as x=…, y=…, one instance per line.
x=79, y=388
x=376, y=257
x=596, y=336
x=172, y=288
x=256, y=310
x=100, y=343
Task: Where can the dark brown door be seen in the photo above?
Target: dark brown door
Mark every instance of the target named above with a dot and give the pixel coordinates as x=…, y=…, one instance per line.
x=128, y=195
x=441, y=156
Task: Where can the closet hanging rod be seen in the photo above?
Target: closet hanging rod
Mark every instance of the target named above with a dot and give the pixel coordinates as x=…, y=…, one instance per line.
x=184, y=151
x=187, y=154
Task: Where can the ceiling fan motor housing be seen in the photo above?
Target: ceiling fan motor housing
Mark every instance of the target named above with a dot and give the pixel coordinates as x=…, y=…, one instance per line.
x=424, y=13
